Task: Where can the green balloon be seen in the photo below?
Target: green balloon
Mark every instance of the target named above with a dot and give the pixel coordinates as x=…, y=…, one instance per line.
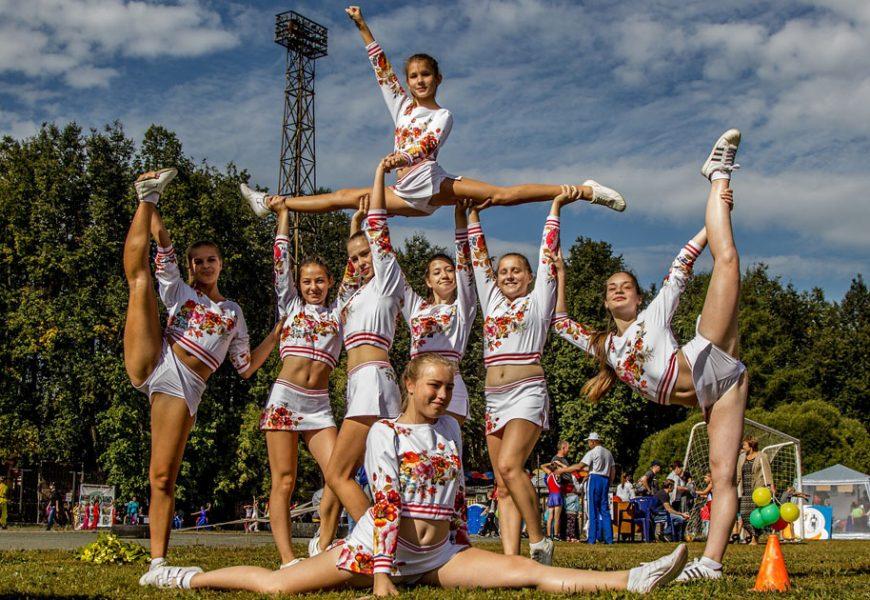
x=756, y=519
x=789, y=512
x=770, y=514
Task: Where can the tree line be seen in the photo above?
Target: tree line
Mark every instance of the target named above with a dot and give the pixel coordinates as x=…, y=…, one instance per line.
x=66, y=201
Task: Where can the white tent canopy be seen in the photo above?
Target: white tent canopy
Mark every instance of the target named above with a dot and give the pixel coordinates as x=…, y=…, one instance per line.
x=840, y=488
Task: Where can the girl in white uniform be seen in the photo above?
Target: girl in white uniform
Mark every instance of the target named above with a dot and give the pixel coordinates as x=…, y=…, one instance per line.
x=421, y=129
x=172, y=367
x=415, y=532
x=639, y=348
x=442, y=322
x=299, y=402
x=516, y=318
x=369, y=301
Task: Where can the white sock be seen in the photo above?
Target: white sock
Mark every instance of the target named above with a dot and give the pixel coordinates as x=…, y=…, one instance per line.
x=185, y=580
x=716, y=566
x=720, y=175
x=153, y=197
x=156, y=562
x=538, y=544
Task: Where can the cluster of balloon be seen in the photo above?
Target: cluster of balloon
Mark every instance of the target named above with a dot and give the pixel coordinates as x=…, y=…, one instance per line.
x=768, y=514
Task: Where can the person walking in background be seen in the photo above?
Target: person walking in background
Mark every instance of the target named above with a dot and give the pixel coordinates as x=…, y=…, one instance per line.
x=753, y=471
x=625, y=489
x=648, y=485
x=602, y=469
x=53, y=508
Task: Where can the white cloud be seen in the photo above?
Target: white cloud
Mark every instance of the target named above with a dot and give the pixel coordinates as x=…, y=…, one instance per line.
x=76, y=38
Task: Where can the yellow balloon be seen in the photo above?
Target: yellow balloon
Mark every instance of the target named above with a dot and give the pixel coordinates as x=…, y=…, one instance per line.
x=761, y=496
x=789, y=512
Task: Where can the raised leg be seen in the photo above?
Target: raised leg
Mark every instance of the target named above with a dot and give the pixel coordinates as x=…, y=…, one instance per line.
x=719, y=315
x=725, y=431
x=283, y=456
x=348, y=199
x=143, y=338
x=322, y=444
x=311, y=575
x=517, y=441
x=170, y=426
x=480, y=191
x=476, y=568
x=350, y=447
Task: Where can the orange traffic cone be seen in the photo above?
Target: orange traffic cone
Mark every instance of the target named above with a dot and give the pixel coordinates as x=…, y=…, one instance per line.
x=772, y=576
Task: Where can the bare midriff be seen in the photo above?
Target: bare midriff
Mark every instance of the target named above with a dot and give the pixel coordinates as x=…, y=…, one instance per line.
x=423, y=532
x=305, y=372
x=505, y=374
x=683, y=393
x=192, y=362
x=366, y=353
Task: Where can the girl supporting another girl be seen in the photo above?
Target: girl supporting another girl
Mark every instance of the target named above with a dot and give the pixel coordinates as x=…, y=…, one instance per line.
x=415, y=532
x=639, y=348
x=421, y=128
x=299, y=402
x=172, y=368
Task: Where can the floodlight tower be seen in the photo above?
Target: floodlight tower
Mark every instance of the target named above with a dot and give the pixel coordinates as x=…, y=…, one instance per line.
x=305, y=42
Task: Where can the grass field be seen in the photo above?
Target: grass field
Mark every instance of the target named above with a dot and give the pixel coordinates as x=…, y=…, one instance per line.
x=818, y=570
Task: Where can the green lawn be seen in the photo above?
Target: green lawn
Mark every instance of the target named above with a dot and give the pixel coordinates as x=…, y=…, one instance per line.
x=818, y=570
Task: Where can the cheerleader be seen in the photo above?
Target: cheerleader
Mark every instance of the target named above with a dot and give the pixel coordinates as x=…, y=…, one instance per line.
x=172, y=367
x=516, y=318
x=638, y=347
x=421, y=129
x=442, y=322
x=415, y=532
x=310, y=343
x=369, y=300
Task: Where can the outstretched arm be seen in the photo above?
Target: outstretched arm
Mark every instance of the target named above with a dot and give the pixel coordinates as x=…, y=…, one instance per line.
x=465, y=293
x=356, y=16
x=545, y=278
x=664, y=305
x=387, y=272
x=359, y=216
x=484, y=276
x=285, y=289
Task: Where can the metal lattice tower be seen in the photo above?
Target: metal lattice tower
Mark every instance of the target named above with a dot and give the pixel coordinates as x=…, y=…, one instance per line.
x=305, y=42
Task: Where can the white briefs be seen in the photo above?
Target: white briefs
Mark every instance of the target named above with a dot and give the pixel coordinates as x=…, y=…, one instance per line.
x=420, y=183
x=373, y=391
x=174, y=378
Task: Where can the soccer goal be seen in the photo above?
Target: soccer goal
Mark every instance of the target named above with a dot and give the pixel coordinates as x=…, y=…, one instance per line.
x=782, y=450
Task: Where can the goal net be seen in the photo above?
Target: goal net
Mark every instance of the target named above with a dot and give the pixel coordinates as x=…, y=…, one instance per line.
x=782, y=450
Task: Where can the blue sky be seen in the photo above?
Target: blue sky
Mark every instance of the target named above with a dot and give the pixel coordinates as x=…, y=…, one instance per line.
x=630, y=93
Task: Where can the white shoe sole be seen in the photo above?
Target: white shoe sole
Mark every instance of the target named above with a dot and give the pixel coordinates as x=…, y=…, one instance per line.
x=256, y=199
x=605, y=196
x=156, y=184
x=729, y=138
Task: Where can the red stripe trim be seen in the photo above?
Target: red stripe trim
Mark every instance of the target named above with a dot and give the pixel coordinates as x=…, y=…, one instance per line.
x=308, y=352
x=445, y=353
x=666, y=383
x=366, y=336
x=374, y=48
x=413, y=168
x=475, y=228
x=376, y=363
x=200, y=353
x=507, y=358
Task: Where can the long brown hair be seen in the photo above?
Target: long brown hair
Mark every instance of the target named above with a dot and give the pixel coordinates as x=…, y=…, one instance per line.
x=600, y=384
x=434, y=258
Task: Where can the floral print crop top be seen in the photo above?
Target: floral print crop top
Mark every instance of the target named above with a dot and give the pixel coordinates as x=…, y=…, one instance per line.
x=444, y=328
x=368, y=310
x=515, y=331
x=206, y=329
x=310, y=331
x=415, y=471
x=645, y=355
x=420, y=131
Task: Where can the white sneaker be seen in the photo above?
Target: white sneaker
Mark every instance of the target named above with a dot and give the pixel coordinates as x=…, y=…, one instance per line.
x=156, y=184
x=290, y=563
x=256, y=199
x=605, y=196
x=542, y=551
x=698, y=569
x=169, y=577
x=314, y=545
x=722, y=155
x=649, y=576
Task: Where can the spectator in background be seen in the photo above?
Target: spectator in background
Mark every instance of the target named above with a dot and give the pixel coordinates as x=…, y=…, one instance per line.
x=490, y=523
x=648, y=485
x=753, y=471
x=554, y=499
x=602, y=467
x=664, y=506
x=678, y=477
x=133, y=511
x=625, y=489
x=572, y=510
x=4, y=509
x=53, y=509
